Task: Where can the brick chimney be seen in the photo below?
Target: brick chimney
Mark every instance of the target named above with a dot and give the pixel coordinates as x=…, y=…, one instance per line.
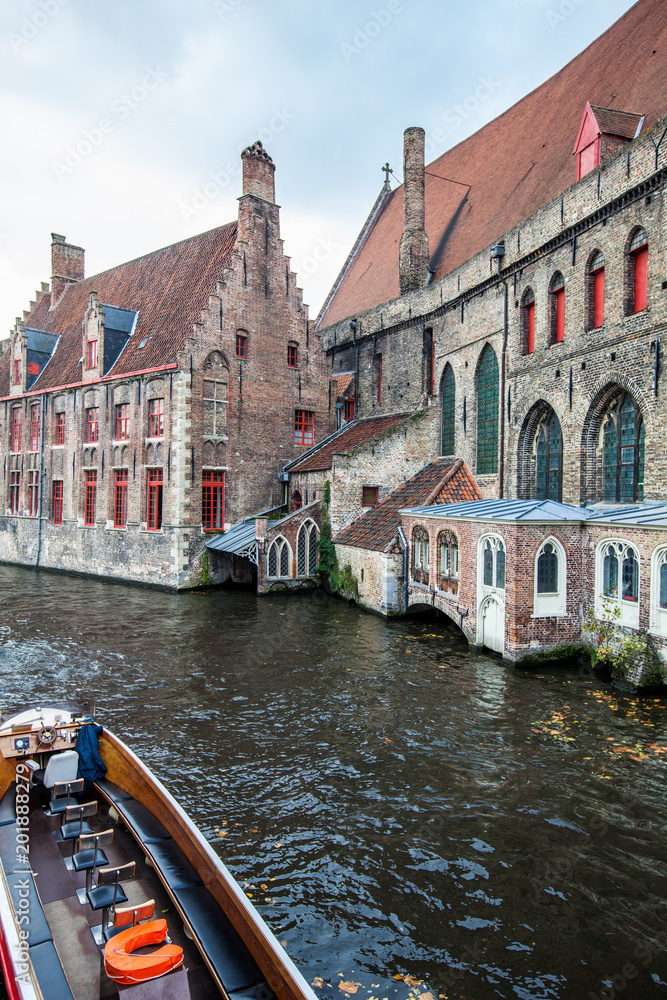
x=413, y=252
x=258, y=171
x=67, y=266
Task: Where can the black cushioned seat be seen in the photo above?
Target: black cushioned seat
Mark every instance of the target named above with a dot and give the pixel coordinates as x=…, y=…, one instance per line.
x=115, y=793
x=49, y=971
x=174, y=866
x=101, y=896
x=83, y=860
x=10, y=859
x=148, y=829
x=23, y=891
x=8, y=807
x=226, y=951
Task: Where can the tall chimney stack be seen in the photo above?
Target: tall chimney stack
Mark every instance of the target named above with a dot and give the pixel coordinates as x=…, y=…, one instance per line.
x=67, y=266
x=258, y=171
x=413, y=252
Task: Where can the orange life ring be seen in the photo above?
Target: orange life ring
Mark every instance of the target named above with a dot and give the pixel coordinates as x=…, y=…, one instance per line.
x=123, y=967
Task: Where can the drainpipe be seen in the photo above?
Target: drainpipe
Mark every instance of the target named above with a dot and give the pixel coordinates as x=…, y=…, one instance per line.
x=353, y=328
x=501, y=443
x=404, y=543
x=41, y=478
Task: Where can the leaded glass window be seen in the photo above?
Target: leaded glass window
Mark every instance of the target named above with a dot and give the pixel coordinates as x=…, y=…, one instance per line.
x=449, y=558
x=420, y=555
x=500, y=567
x=488, y=565
x=663, y=582
x=493, y=563
x=623, y=452
x=448, y=412
x=547, y=570
x=278, y=558
x=548, y=456
x=630, y=577
x=487, y=413
x=610, y=573
x=306, y=547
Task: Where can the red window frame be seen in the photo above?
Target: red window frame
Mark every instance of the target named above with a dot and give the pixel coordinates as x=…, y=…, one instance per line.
x=369, y=496
x=292, y=355
x=57, y=501
x=16, y=428
x=122, y=421
x=33, y=492
x=213, y=500
x=92, y=425
x=304, y=427
x=348, y=409
x=640, y=283
x=17, y=372
x=91, y=497
x=60, y=428
x=34, y=427
x=14, y=491
x=559, y=294
x=530, y=326
x=156, y=418
x=120, y=498
x=598, y=298
x=154, y=500
x=92, y=354
x=241, y=345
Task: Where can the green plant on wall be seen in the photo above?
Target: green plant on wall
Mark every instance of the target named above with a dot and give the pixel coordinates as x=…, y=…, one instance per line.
x=205, y=570
x=341, y=581
x=629, y=655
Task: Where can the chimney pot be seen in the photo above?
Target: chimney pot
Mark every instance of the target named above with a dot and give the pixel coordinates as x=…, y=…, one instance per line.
x=67, y=266
x=258, y=171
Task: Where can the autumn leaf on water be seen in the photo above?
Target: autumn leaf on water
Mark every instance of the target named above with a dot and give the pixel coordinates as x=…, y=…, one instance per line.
x=411, y=981
x=318, y=982
x=398, y=976
x=348, y=986
x=426, y=996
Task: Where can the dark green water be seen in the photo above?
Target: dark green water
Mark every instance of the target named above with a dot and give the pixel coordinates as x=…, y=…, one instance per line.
x=395, y=804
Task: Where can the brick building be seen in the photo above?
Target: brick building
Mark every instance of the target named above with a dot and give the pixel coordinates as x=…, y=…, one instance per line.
x=157, y=401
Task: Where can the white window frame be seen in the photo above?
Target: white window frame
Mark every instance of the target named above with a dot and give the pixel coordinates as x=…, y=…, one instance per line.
x=484, y=589
x=658, y=621
x=306, y=529
x=279, y=542
x=551, y=605
x=604, y=605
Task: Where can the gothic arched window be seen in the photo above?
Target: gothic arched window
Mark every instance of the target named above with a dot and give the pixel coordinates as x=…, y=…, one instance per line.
x=550, y=579
x=306, y=549
x=549, y=459
x=617, y=583
x=420, y=555
x=278, y=559
x=487, y=413
x=493, y=562
x=448, y=412
x=623, y=451
x=448, y=561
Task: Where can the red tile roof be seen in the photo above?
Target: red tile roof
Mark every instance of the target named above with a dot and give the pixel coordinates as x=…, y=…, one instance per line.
x=167, y=288
x=443, y=481
x=614, y=122
x=341, y=382
x=487, y=184
x=354, y=434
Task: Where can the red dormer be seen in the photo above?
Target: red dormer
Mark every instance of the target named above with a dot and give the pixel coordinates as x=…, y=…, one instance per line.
x=602, y=132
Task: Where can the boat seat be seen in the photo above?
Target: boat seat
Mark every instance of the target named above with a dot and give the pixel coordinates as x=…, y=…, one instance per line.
x=49, y=971
x=233, y=963
x=8, y=807
x=115, y=793
x=18, y=883
x=61, y=767
x=75, y=824
x=174, y=867
x=10, y=859
x=64, y=794
x=148, y=829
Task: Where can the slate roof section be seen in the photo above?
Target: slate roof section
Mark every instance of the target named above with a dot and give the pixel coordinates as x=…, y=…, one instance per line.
x=445, y=480
x=342, y=442
x=167, y=288
x=542, y=511
x=238, y=540
x=484, y=186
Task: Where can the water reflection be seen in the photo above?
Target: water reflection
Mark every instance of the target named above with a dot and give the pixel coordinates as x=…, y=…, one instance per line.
x=394, y=804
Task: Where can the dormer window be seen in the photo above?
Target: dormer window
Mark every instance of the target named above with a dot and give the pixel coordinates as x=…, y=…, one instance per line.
x=603, y=131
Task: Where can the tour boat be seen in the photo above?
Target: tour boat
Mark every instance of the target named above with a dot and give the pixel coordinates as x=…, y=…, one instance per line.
x=114, y=888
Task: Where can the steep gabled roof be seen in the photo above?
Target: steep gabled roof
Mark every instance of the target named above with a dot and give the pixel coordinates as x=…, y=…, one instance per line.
x=167, y=288
x=478, y=190
x=341, y=382
x=341, y=443
x=443, y=481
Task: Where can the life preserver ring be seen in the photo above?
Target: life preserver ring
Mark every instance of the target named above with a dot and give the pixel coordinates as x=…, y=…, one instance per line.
x=123, y=967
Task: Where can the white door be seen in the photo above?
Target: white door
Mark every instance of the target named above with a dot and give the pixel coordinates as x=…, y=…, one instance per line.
x=493, y=625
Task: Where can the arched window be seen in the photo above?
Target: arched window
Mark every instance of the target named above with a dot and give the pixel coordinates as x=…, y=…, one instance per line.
x=528, y=321
x=448, y=412
x=493, y=563
x=278, y=559
x=638, y=271
x=420, y=555
x=549, y=459
x=487, y=413
x=550, y=579
x=659, y=591
x=596, y=291
x=297, y=501
x=623, y=451
x=448, y=561
x=306, y=549
x=617, y=583
x=557, y=290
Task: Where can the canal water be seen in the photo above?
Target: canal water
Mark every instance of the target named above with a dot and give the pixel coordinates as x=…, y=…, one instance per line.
x=409, y=817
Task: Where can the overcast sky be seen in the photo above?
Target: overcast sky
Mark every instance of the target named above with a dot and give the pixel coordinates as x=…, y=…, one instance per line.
x=121, y=118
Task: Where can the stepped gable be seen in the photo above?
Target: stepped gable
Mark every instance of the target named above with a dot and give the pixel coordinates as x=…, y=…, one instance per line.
x=484, y=186
x=443, y=481
x=167, y=288
x=354, y=434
